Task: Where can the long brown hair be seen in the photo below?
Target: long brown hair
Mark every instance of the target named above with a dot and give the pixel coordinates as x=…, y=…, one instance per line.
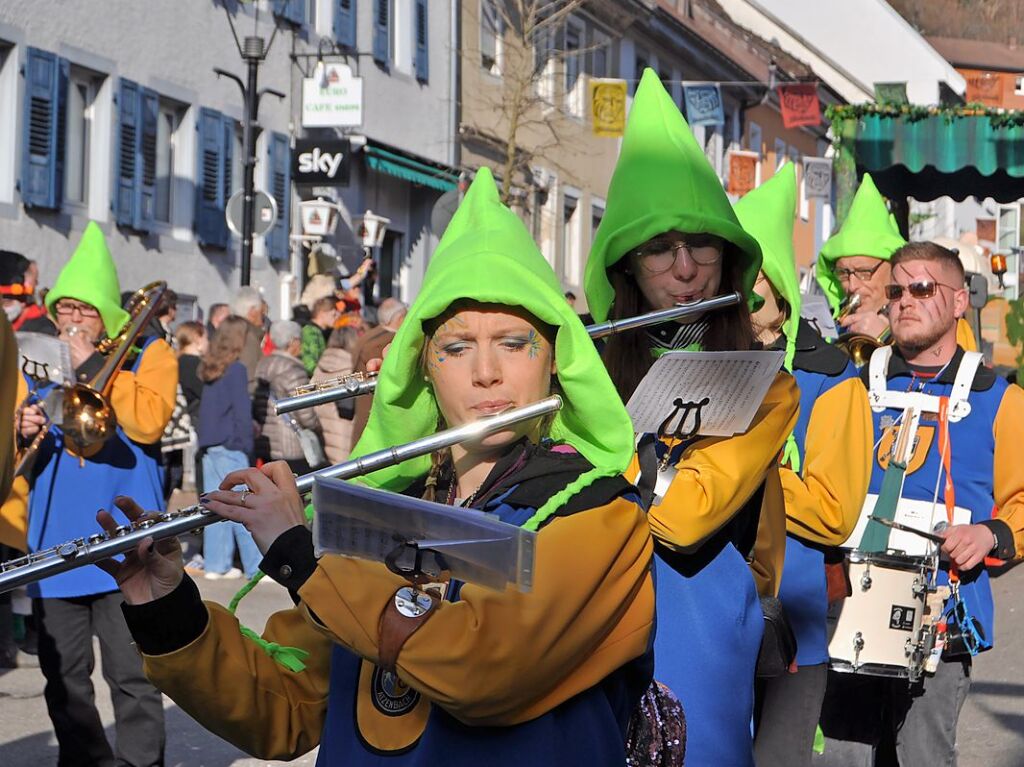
x=225, y=348
x=628, y=355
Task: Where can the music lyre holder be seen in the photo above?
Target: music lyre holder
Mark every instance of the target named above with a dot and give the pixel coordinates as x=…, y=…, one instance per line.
x=682, y=410
x=419, y=540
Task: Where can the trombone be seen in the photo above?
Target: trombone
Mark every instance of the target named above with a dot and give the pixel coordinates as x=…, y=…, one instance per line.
x=358, y=384
x=99, y=546
x=88, y=418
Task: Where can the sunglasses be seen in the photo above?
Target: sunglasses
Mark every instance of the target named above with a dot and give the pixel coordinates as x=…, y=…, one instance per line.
x=919, y=290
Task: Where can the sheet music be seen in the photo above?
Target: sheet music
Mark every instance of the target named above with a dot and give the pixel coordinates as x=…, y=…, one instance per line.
x=473, y=546
x=44, y=358
x=726, y=388
x=815, y=309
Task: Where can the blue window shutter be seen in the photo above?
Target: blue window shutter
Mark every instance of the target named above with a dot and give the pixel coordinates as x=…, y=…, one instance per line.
x=291, y=10
x=422, y=69
x=211, y=228
x=46, y=79
x=229, y=127
x=279, y=163
x=381, y=31
x=145, y=187
x=126, y=172
x=345, y=23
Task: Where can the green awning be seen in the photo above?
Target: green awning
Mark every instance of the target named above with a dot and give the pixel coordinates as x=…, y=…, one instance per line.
x=409, y=169
x=942, y=155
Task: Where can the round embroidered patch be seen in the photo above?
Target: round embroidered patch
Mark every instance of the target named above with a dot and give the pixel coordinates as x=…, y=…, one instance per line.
x=390, y=695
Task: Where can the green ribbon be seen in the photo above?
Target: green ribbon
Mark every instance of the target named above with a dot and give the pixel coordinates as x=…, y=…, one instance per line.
x=791, y=454
x=290, y=658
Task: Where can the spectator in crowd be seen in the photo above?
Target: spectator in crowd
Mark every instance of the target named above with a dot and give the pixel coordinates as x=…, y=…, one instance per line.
x=167, y=313
x=301, y=314
x=192, y=343
x=277, y=374
x=248, y=304
x=336, y=417
x=391, y=312
x=226, y=441
x=218, y=313
x=17, y=288
x=315, y=334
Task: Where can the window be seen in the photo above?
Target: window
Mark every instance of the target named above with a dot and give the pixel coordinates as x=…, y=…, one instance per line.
x=754, y=138
x=279, y=186
x=640, y=64
x=1018, y=86
x=492, y=32
x=570, y=256
x=163, y=161
x=573, y=62
x=596, y=215
x=78, y=144
x=597, y=60
x=780, y=153
x=1008, y=228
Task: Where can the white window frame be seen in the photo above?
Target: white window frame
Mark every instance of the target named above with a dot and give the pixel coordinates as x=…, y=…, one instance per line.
x=575, y=101
x=92, y=83
x=494, y=69
x=403, y=37
x=570, y=236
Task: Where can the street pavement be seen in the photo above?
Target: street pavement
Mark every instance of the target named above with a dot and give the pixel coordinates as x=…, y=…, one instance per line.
x=991, y=726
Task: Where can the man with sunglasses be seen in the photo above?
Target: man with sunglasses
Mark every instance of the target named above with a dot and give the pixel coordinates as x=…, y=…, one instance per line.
x=64, y=489
x=977, y=481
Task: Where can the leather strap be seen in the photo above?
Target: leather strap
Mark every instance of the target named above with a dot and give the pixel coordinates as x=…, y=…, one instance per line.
x=402, y=617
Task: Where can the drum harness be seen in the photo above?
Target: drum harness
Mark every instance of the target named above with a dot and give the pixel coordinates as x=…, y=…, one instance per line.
x=953, y=407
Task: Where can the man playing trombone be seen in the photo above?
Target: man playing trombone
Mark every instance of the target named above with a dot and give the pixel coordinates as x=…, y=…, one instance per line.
x=64, y=487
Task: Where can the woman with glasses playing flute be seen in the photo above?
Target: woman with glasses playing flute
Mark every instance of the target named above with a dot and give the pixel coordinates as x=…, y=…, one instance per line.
x=669, y=235
x=548, y=677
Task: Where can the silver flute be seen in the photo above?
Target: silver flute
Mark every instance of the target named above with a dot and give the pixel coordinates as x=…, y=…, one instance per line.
x=358, y=384
x=103, y=545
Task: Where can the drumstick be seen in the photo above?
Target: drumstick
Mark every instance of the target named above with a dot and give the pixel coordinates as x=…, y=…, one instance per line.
x=989, y=561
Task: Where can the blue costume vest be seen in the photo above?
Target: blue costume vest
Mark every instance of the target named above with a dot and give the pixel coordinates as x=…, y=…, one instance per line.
x=66, y=493
x=374, y=719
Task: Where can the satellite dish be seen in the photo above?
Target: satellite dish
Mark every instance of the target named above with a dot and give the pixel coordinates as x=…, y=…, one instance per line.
x=443, y=210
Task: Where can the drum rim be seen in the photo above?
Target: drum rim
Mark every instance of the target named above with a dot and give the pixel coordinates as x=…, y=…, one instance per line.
x=893, y=561
x=887, y=670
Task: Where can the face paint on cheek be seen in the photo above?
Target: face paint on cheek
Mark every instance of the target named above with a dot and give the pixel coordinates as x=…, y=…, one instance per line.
x=533, y=343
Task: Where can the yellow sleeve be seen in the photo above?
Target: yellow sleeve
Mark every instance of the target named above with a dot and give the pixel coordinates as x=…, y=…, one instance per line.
x=717, y=475
x=770, y=546
x=14, y=512
x=1008, y=482
x=965, y=336
x=144, y=400
x=823, y=505
x=8, y=401
x=504, y=657
x=235, y=690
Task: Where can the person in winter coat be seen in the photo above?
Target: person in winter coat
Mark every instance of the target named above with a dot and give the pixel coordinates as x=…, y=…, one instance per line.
x=277, y=374
x=336, y=417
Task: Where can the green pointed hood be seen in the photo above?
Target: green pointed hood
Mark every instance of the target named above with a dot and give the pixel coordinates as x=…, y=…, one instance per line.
x=90, y=277
x=869, y=230
x=768, y=213
x=662, y=181
x=487, y=254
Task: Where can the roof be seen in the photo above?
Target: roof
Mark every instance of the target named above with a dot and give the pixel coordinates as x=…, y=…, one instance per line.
x=979, y=54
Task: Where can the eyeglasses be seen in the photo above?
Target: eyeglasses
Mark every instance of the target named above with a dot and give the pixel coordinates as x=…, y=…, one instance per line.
x=920, y=290
x=65, y=309
x=863, y=273
x=660, y=255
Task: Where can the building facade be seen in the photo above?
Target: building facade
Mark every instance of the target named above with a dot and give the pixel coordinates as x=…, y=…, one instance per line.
x=116, y=115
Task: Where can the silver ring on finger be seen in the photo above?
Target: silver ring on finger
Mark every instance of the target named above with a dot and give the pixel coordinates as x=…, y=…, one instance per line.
x=244, y=494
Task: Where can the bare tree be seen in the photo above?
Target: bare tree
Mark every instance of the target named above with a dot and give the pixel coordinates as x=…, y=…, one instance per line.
x=525, y=42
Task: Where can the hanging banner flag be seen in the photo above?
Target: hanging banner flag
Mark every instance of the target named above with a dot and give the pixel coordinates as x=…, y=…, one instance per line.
x=817, y=178
x=799, y=104
x=891, y=93
x=608, y=106
x=742, y=171
x=703, y=104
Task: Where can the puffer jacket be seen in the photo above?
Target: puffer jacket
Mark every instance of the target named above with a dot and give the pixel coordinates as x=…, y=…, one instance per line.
x=277, y=375
x=337, y=429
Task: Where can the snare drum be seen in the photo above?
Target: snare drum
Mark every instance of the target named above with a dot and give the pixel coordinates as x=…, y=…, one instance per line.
x=881, y=630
